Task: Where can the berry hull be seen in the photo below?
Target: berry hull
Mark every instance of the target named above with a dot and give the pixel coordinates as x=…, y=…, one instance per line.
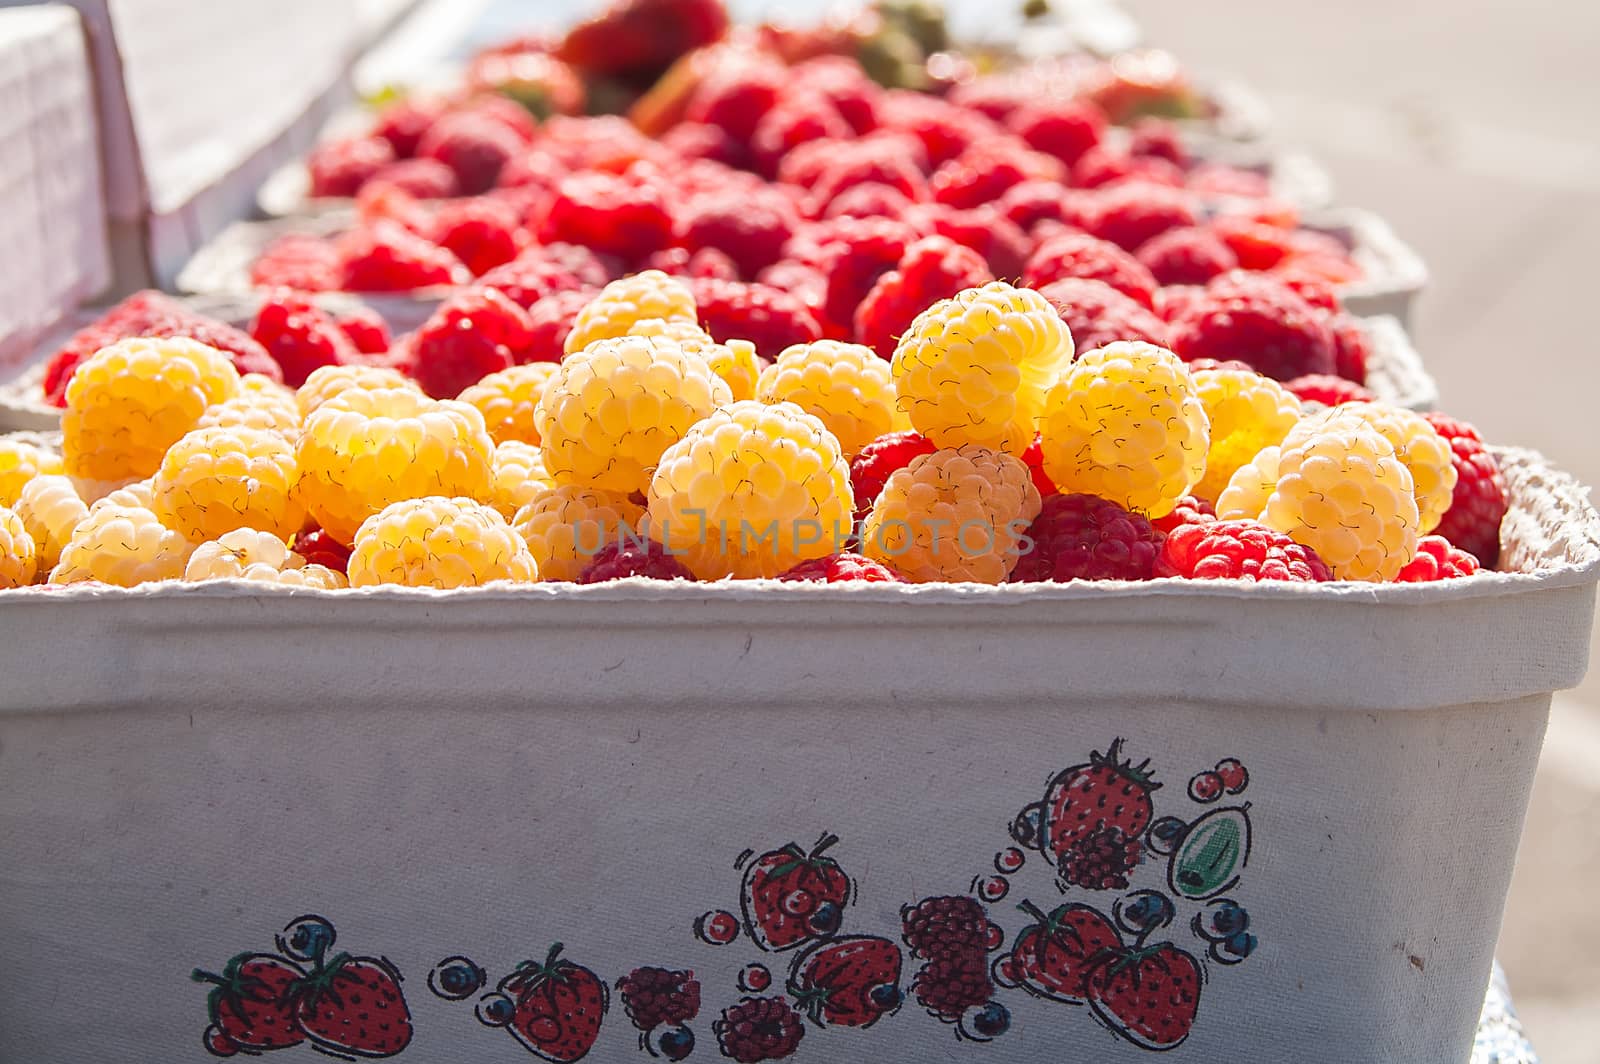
x=559, y=768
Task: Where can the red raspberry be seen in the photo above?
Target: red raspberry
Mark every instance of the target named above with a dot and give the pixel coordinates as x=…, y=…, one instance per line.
x=1130, y=213
x=1158, y=138
x=845, y=85
x=758, y=1029
x=550, y=320
x=1032, y=202
x=996, y=98
x=1187, y=255
x=1479, y=503
x=471, y=335
x=1310, y=287
x=983, y=173
x=637, y=42
x=247, y=355
x=386, y=257
x=767, y=317
x=870, y=200
x=1003, y=245
x=1098, y=314
x=1218, y=181
x=300, y=337
x=476, y=147
x=1033, y=458
x=954, y=982
x=1352, y=347
x=380, y=201
x=1103, y=164
x=609, y=143
x=866, y=163
x=404, y=123
x=1258, y=246
x=610, y=214
x=1331, y=269
x=738, y=97
x=620, y=560
x=799, y=118
x=1085, y=537
x=319, y=548
x=304, y=263
x=707, y=262
x=695, y=140
x=1062, y=128
x=940, y=926
x=422, y=178
x=932, y=269
x=654, y=996
x=341, y=167
x=870, y=470
x=750, y=230
x=1327, y=389
x=945, y=131
x=1437, y=559
x=1080, y=255
x=537, y=273
x=844, y=568
x=1173, y=300
x=1238, y=550
x=1259, y=322
x=481, y=233
x=804, y=282
x=365, y=329
x=852, y=253
x=507, y=112
x=1190, y=510
x=1101, y=860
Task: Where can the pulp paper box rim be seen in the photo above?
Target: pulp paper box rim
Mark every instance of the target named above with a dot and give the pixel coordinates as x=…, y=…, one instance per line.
x=1281, y=647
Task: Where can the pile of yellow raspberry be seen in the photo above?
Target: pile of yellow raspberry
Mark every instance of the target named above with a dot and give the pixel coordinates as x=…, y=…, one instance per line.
x=650, y=440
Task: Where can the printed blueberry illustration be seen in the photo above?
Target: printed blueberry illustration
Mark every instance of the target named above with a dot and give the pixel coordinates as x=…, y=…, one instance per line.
x=345, y=1005
x=789, y=896
x=661, y=1002
x=553, y=1009
x=1091, y=820
x=759, y=1028
x=953, y=936
x=1225, y=926
x=456, y=978
x=847, y=982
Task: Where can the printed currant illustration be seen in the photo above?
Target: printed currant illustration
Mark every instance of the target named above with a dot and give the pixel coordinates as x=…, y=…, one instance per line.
x=1146, y=906
x=344, y=1005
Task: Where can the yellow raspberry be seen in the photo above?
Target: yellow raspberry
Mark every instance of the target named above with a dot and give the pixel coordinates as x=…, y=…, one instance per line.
x=1124, y=422
x=736, y=361
x=325, y=382
x=620, y=304
x=519, y=477
x=1247, y=412
x=567, y=526
x=1249, y=488
x=438, y=542
x=507, y=400
x=751, y=491
x=122, y=545
x=1425, y=453
x=132, y=400
x=216, y=480
x=617, y=404
x=1344, y=493
x=262, y=403
x=248, y=554
x=362, y=450
x=957, y=514
x=19, y=463
x=141, y=493
x=975, y=368
x=847, y=386
x=50, y=508
x=19, y=557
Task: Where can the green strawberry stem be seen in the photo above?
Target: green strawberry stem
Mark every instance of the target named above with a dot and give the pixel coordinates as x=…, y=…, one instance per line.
x=800, y=859
x=531, y=974
x=1134, y=957
x=1112, y=759
x=811, y=1000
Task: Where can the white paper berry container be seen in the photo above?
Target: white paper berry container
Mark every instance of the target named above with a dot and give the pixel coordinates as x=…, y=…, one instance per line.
x=187, y=770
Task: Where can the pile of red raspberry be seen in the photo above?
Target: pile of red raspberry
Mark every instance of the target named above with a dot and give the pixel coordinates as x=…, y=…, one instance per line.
x=654, y=996
x=951, y=935
x=759, y=1028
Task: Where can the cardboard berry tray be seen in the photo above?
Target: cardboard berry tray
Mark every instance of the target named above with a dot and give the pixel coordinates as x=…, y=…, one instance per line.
x=1254, y=823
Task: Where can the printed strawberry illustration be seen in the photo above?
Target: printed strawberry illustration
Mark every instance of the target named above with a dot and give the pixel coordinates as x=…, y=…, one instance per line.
x=790, y=896
x=250, y=1006
x=1055, y=956
x=1148, y=995
x=1091, y=819
x=848, y=982
x=350, y=1005
x=554, y=1009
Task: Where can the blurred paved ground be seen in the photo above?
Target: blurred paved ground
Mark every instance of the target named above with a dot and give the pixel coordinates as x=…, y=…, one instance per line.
x=1471, y=127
